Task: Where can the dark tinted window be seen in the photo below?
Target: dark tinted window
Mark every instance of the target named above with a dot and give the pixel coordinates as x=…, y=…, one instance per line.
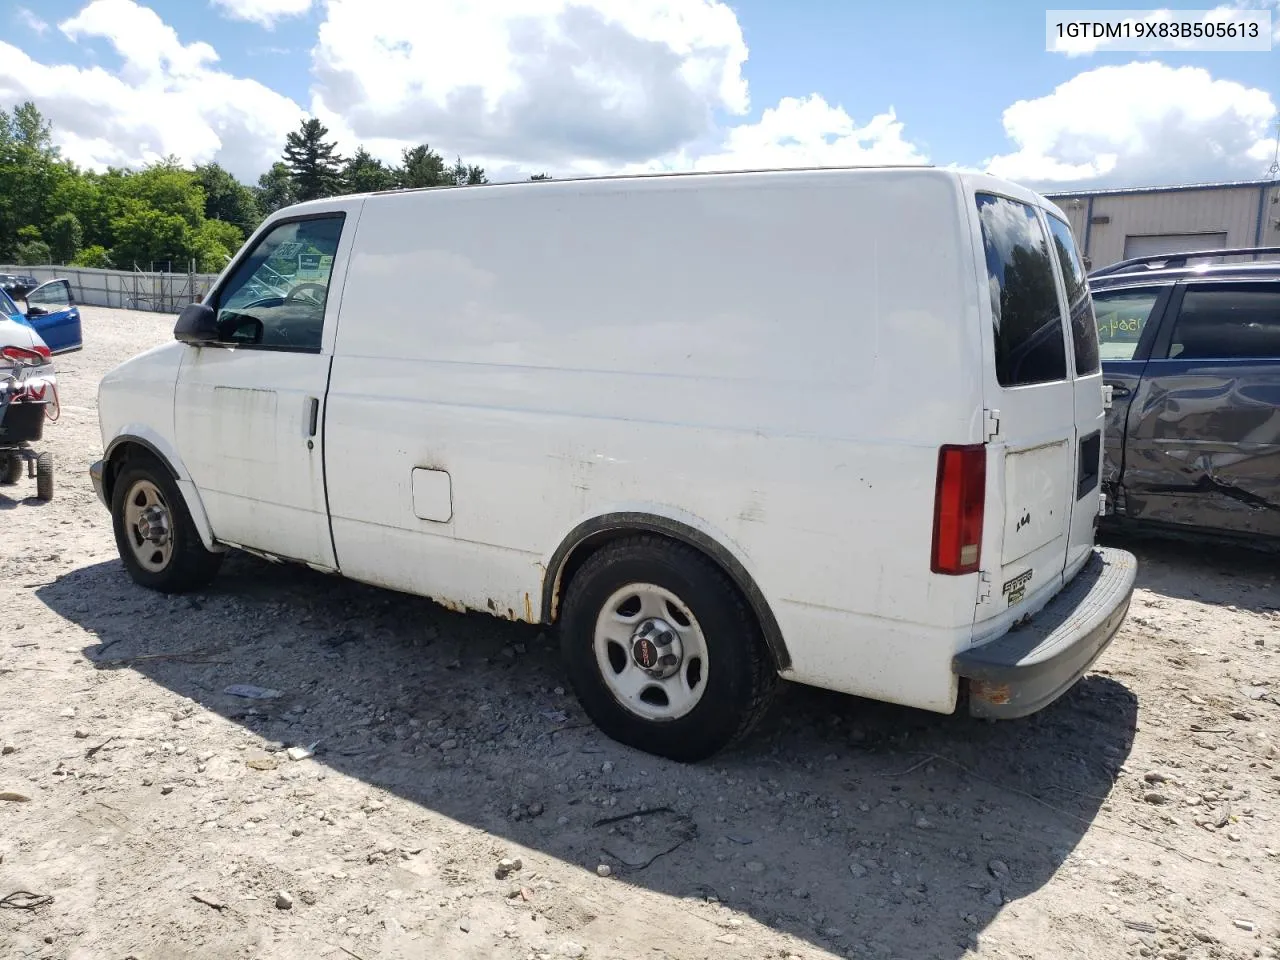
x=1228, y=320
x=276, y=296
x=1121, y=316
x=1024, y=298
x=1084, y=331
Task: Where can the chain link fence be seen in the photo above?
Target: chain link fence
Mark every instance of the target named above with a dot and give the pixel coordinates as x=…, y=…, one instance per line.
x=130, y=290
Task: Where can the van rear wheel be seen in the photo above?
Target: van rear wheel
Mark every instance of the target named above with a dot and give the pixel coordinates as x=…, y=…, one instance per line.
x=662, y=650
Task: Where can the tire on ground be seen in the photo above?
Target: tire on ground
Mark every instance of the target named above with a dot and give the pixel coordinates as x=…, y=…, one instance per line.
x=11, y=469
x=190, y=565
x=44, y=476
x=740, y=675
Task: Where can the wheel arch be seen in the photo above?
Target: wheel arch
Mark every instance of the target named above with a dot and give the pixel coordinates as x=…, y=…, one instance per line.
x=126, y=446
x=591, y=534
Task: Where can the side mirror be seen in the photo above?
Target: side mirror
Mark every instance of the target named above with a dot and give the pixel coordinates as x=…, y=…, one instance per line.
x=197, y=324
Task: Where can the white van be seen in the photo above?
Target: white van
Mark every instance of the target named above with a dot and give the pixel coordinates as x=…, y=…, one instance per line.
x=841, y=427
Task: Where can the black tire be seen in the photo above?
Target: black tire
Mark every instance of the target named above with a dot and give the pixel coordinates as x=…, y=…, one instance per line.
x=11, y=469
x=740, y=679
x=44, y=476
x=189, y=566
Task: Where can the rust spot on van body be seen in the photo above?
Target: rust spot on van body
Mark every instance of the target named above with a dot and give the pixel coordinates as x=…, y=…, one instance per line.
x=452, y=605
x=528, y=609
x=994, y=693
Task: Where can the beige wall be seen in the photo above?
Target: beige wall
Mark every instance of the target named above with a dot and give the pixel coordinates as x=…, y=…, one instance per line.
x=1233, y=211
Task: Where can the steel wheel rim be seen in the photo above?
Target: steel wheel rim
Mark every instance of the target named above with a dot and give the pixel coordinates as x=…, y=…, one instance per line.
x=148, y=526
x=627, y=618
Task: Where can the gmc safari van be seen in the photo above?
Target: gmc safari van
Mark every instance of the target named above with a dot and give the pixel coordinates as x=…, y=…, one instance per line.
x=842, y=427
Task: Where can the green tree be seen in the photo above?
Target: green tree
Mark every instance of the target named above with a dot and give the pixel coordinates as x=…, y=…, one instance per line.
x=164, y=186
x=364, y=173
x=227, y=199
x=145, y=236
x=313, y=162
x=30, y=171
x=31, y=253
x=275, y=188
x=66, y=236
x=82, y=196
x=95, y=256
x=464, y=175
x=165, y=213
x=28, y=127
x=541, y=176
x=214, y=244
x=423, y=167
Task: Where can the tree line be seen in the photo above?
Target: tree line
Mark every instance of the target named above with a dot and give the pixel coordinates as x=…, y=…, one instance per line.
x=167, y=216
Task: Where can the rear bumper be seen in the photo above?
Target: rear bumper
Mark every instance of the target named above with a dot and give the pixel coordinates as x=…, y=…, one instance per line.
x=95, y=475
x=1034, y=664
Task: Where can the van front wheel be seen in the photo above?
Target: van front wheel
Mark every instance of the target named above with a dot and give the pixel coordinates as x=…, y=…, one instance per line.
x=155, y=535
x=662, y=650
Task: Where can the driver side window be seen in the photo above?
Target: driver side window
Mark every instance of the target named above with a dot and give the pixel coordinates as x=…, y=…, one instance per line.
x=275, y=298
x=49, y=297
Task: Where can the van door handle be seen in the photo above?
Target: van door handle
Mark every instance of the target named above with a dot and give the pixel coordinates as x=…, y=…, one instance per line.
x=1118, y=390
x=313, y=415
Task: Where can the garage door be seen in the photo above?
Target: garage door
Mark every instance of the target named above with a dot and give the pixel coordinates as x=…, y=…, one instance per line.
x=1153, y=245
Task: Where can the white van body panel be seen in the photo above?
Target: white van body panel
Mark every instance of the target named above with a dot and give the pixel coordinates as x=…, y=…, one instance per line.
x=1032, y=517
x=768, y=360
x=135, y=402
x=242, y=418
x=573, y=347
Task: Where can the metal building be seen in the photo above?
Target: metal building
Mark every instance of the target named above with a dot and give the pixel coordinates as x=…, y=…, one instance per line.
x=1112, y=225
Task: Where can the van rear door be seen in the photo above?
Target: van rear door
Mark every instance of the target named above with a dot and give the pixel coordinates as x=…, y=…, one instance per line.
x=1087, y=380
x=1030, y=416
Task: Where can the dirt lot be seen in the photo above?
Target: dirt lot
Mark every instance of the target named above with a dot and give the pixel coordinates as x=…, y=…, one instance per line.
x=1139, y=816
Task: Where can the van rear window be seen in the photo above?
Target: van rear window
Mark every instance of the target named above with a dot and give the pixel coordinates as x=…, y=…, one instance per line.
x=1030, y=347
x=1084, y=328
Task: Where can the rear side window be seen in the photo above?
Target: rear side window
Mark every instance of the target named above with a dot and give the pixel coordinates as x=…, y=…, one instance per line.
x=1024, y=297
x=1084, y=331
x=1122, y=316
x=1239, y=320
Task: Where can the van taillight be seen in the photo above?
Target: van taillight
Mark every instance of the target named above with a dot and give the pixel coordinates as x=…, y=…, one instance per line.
x=958, y=508
x=43, y=351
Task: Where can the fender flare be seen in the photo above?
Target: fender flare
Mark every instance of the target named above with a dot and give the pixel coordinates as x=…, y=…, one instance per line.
x=610, y=526
x=168, y=457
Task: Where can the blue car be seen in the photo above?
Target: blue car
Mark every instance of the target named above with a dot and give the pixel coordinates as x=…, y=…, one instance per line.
x=51, y=313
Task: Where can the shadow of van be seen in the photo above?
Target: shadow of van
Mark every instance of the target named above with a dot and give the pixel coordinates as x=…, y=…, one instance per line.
x=857, y=826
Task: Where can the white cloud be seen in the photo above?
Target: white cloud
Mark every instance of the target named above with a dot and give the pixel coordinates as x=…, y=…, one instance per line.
x=1140, y=123
x=166, y=98
x=262, y=12
x=801, y=132
x=32, y=22
x=566, y=86
x=536, y=81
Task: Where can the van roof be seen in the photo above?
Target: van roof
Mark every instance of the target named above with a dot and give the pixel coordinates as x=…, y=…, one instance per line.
x=668, y=174
x=973, y=180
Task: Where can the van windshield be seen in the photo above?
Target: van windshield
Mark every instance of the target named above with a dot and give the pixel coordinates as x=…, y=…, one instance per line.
x=1029, y=342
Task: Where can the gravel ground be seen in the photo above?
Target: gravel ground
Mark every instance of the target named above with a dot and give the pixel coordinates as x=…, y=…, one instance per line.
x=165, y=819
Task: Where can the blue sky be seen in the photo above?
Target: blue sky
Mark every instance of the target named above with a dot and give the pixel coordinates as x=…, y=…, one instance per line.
x=948, y=72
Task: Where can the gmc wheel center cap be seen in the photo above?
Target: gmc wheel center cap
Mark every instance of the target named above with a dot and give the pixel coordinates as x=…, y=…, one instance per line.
x=655, y=648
